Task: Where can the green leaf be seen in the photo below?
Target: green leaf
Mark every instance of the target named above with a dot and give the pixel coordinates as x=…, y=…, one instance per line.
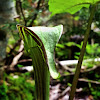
x=70, y=6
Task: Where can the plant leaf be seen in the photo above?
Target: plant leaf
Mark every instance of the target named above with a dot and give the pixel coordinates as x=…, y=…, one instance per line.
x=70, y=6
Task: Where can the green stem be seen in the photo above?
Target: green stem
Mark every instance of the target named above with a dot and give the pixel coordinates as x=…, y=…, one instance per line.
x=41, y=74
x=76, y=76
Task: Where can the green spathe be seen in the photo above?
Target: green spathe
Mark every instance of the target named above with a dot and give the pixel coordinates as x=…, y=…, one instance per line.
x=40, y=42
x=70, y=6
x=49, y=37
x=45, y=38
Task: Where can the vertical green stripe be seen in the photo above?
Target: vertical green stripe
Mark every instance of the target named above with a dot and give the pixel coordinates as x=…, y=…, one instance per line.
x=42, y=75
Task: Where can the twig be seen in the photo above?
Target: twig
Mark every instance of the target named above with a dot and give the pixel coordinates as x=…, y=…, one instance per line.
x=36, y=13
x=21, y=9
x=63, y=93
x=17, y=57
x=15, y=45
x=67, y=63
x=89, y=81
x=90, y=69
x=25, y=60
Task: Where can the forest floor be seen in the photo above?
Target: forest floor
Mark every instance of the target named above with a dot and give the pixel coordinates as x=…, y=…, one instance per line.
x=88, y=84
x=88, y=87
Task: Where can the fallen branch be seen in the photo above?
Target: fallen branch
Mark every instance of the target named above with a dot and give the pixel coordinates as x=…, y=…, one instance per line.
x=63, y=93
x=74, y=62
x=88, y=81
x=17, y=57
x=90, y=69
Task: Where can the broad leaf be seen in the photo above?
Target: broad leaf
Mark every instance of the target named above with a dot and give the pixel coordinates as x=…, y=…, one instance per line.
x=70, y=6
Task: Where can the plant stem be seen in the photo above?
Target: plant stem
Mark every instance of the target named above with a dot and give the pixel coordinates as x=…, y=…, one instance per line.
x=78, y=68
x=41, y=75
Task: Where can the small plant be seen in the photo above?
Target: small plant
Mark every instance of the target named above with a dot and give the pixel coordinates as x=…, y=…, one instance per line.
x=39, y=42
x=90, y=50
